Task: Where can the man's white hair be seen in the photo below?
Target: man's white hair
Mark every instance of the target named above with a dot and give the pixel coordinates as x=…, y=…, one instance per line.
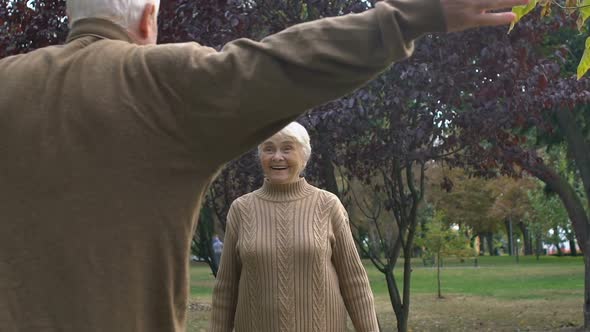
x=126, y=13
x=296, y=131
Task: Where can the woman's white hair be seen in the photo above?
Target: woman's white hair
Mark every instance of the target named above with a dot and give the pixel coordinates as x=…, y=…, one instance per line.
x=126, y=13
x=297, y=132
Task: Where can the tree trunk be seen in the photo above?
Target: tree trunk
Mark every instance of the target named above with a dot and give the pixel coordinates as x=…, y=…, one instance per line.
x=402, y=324
x=326, y=170
x=490, y=241
x=374, y=244
x=482, y=246
x=517, y=251
x=570, y=199
x=531, y=242
x=204, y=241
x=586, y=286
x=559, y=252
x=526, y=239
x=578, y=146
x=508, y=225
x=438, y=273
x=571, y=238
x=539, y=246
x=573, y=250
x=394, y=298
x=579, y=219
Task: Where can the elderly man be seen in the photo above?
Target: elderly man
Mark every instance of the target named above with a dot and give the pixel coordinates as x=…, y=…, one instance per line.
x=109, y=141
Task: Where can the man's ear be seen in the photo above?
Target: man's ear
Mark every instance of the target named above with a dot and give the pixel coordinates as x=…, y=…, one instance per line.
x=146, y=23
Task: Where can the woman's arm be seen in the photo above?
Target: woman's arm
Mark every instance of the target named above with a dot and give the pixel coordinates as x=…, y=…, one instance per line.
x=225, y=293
x=354, y=283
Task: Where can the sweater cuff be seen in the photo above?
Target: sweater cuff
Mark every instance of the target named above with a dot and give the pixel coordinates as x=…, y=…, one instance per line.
x=418, y=17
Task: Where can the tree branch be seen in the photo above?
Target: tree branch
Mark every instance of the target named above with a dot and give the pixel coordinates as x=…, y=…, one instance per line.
x=375, y=260
x=568, y=196
x=577, y=145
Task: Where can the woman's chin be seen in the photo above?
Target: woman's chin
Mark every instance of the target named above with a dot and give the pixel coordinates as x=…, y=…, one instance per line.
x=281, y=179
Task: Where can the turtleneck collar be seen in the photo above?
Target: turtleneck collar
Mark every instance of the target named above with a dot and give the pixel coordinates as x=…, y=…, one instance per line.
x=284, y=192
x=98, y=27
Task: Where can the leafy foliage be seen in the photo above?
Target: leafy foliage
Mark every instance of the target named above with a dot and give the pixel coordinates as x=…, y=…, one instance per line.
x=521, y=11
x=548, y=218
x=580, y=7
x=441, y=241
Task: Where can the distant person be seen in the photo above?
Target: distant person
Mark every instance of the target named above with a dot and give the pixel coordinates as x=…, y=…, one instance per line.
x=108, y=142
x=217, y=249
x=290, y=262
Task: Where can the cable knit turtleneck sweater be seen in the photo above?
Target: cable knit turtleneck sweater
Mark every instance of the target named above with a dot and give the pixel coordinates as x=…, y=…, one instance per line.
x=290, y=264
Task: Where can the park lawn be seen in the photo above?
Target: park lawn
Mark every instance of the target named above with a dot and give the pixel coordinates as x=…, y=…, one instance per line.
x=498, y=295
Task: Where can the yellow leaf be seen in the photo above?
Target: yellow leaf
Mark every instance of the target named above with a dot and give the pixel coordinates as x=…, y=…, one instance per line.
x=580, y=22
x=571, y=6
x=546, y=8
x=521, y=11
x=584, y=13
x=585, y=61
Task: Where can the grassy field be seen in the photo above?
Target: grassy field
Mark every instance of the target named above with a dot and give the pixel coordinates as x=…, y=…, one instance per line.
x=498, y=295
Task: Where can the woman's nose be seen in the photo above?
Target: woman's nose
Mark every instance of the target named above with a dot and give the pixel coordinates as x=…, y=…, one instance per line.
x=277, y=156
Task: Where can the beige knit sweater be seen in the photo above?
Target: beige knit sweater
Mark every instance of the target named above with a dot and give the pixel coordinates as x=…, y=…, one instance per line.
x=290, y=264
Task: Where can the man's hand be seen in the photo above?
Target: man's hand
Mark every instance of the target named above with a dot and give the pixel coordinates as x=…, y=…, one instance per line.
x=465, y=14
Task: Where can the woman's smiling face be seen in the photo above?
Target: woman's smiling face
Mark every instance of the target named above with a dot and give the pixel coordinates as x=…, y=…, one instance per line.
x=281, y=158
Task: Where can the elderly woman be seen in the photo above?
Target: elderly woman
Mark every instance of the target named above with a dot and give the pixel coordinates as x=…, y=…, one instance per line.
x=289, y=261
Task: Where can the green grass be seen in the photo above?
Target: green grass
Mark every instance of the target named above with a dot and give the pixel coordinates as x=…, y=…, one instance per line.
x=498, y=295
x=498, y=277
x=202, y=281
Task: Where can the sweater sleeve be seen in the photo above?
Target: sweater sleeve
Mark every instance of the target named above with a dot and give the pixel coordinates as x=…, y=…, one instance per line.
x=225, y=292
x=354, y=283
x=236, y=97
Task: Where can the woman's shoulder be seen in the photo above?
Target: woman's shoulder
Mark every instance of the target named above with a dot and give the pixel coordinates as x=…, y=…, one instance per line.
x=240, y=209
x=242, y=201
x=327, y=197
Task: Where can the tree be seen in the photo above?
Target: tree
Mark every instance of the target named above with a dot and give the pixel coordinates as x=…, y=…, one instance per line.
x=534, y=92
x=441, y=241
x=549, y=218
x=201, y=245
x=466, y=201
x=511, y=204
x=383, y=139
x=28, y=25
x=557, y=157
x=580, y=7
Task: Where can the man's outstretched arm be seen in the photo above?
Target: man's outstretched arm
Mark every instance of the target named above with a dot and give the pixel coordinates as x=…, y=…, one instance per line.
x=247, y=91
